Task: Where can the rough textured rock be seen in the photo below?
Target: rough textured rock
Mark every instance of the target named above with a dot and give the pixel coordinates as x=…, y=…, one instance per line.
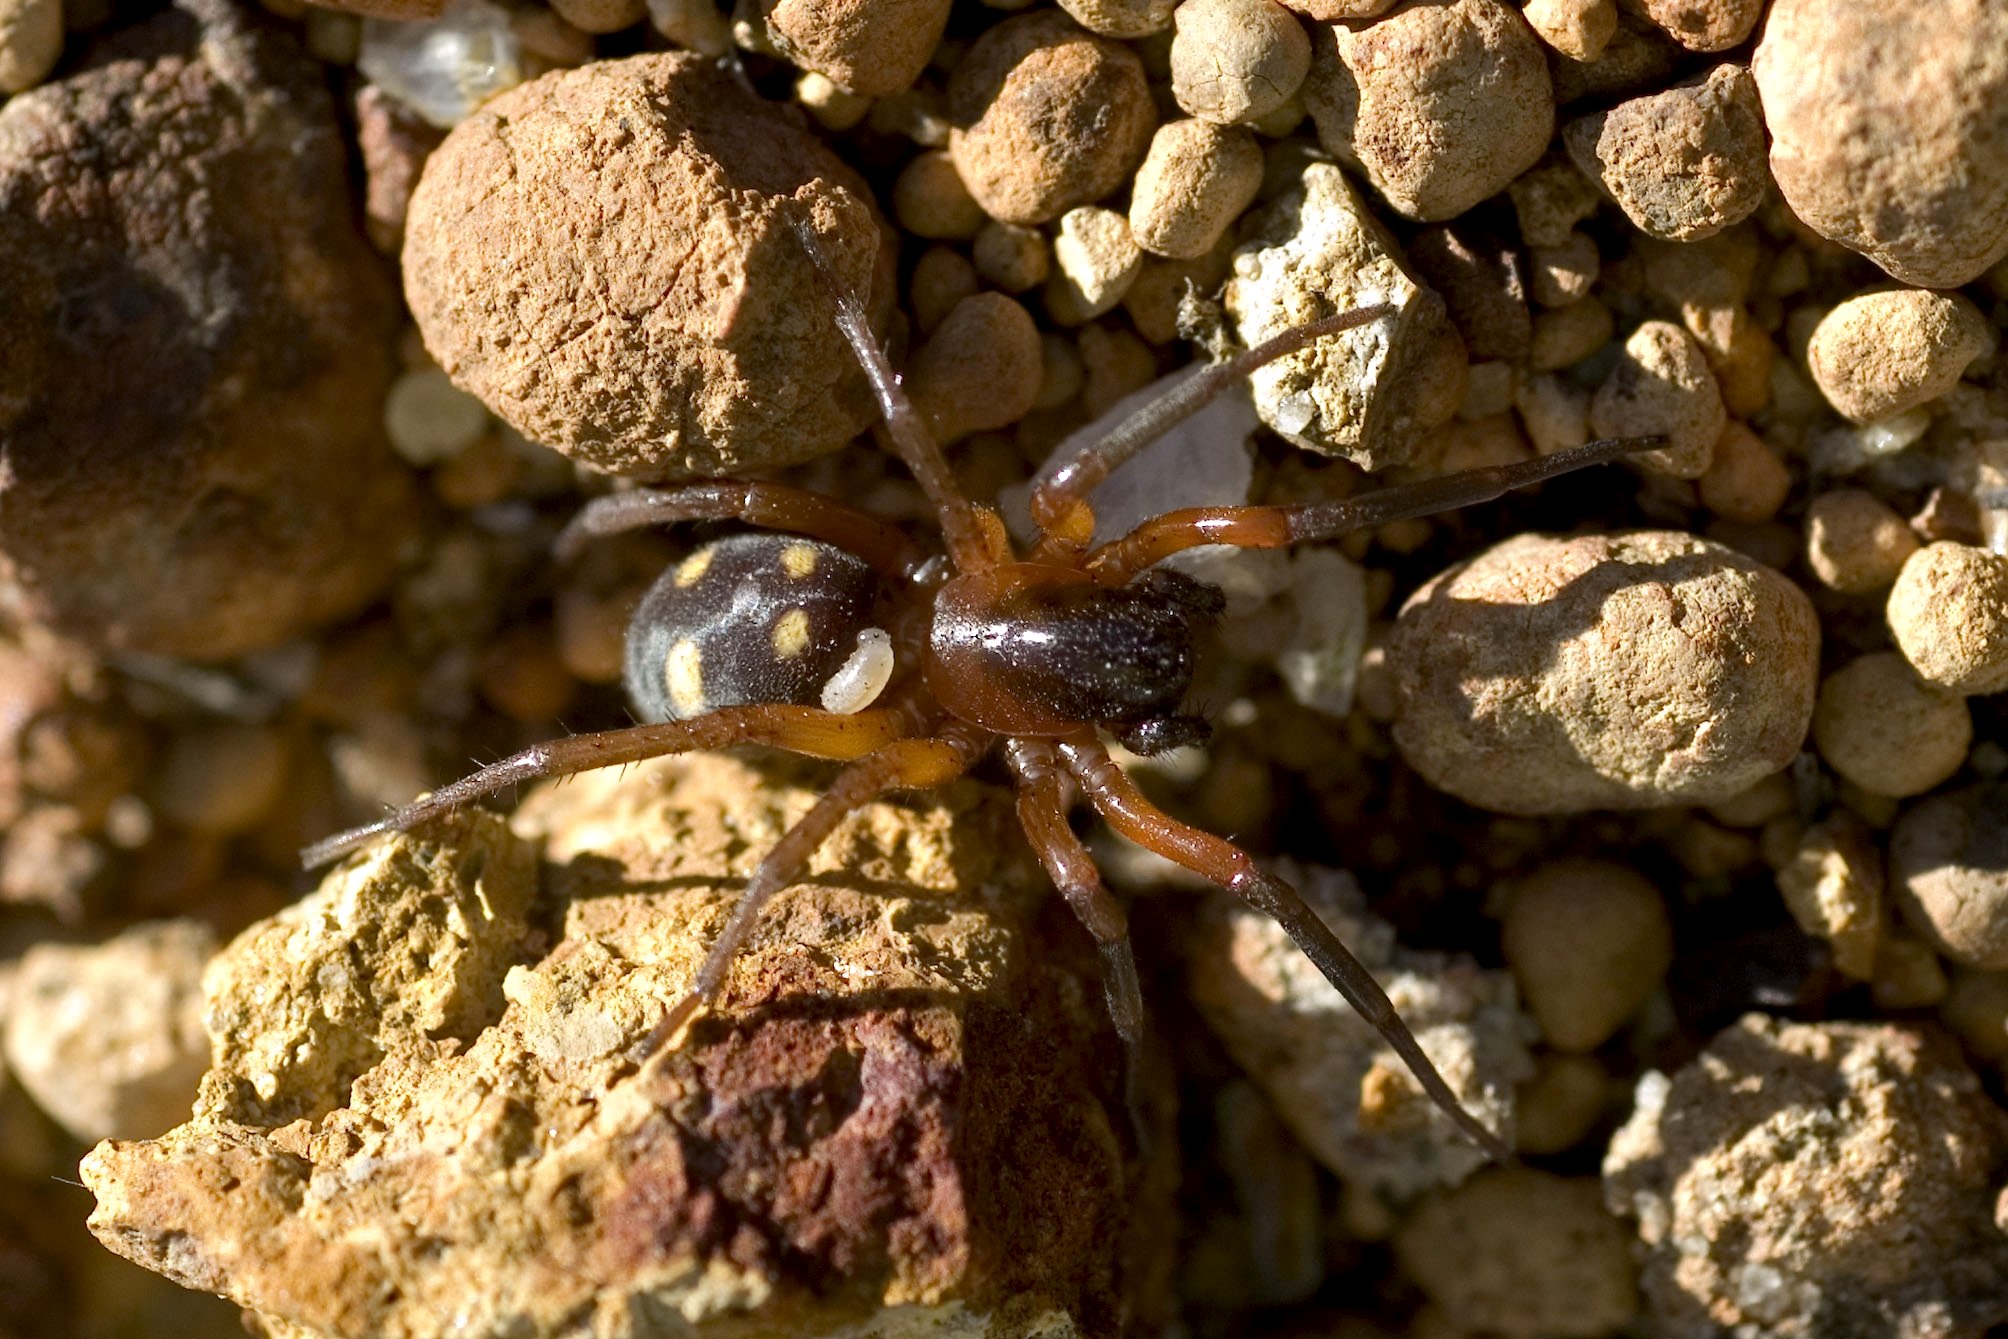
x=1662, y=385
x=1369, y=394
x=1949, y=870
x=1684, y=163
x=1047, y=117
x=427, y=1117
x=1438, y=104
x=868, y=47
x=107, y=1038
x=1702, y=25
x=1888, y=350
x=1833, y=885
x=1888, y=731
x=1236, y=61
x=1948, y=613
x=674, y=325
x=1620, y=671
x=1816, y=1181
x=1334, y=1081
x=189, y=323
x=1911, y=171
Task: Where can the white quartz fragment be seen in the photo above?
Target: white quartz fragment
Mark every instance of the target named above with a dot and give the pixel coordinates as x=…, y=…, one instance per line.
x=443, y=68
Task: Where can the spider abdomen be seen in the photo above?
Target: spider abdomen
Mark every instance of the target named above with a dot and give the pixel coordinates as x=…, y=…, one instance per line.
x=1031, y=649
x=751, y=620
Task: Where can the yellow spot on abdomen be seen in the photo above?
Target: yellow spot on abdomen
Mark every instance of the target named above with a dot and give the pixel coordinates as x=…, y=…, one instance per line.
x=683, y=675
x=791, y=634
x=799, y=560
x=692, y=569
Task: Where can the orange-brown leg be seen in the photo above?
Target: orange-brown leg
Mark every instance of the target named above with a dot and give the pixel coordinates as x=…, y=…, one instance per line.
x=769, y=505
x=908, y=764
x=1117, y=562
x=806, y=730
x=1118, y=800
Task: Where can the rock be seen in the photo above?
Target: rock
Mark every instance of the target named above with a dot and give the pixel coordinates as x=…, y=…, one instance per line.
x=1892, y=349
x=1829, y=1179
x=1121, y=18
x=1588, y=942
x=1482, y=284
x=930, y=201
x=107, y=1038
x=1523, y=1254
x=1911, y=171
x=1623, y=671
x=869, y=47
x=1888, y=731
x=673, y=326
x=31, y=41
x=1193, y=184
x=1683, y=164
x=193, y=340
x=1855, y=543
x=1702, y=25
x=1948, y=613
x=1334, y=1081
x=1746, y=480
x=1370, y=394
x=1662, y=385
x=1046, y=117
x=394, y=142
x=978, y=370
x=903, y=1117
x=1576, y=28
x=1236, y=61
x=1949, y=870
x=1833, y=885
x=1439, y=105
x=1095, y=260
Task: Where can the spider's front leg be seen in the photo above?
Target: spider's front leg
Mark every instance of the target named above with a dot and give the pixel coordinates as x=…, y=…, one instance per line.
x=805, y=730
x=1118, y=800
x=771, y=506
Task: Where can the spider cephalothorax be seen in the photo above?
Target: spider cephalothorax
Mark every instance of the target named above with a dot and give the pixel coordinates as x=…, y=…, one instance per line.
x=842, y=638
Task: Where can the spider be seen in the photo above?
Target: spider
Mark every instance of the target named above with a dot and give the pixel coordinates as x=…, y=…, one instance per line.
x=835, y=635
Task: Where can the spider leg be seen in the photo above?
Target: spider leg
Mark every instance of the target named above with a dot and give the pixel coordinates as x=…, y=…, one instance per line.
x=906, y=764
x=1060, y=503
x=1120, y=560
x=819, y=734
x=1042, y=812
x=771, y=506
x=1119, y=801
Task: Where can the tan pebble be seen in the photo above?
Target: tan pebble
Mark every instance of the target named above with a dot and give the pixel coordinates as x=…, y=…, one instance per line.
x=1237, y=60
x=1340, y=11
x=833, y=107
x=1753, y=808
x=1631, y=670
x=1662, y=384
x=1555, y=413
x=1061, y=372
x=1521, y=1253
x=869, y=47
x=1883, y=352
x=1976, y=1007
x=1563, y=274
x=1908, y=975
x=1589, y=942
x=31, y=39
x=1576, y=28
x=601, y=16
x=1488, y=391
x=1011, y=256
x=1194, y=182
x=694, y=25
x=1947, y=513
x=522, y=675
x=1703, y=25
x=1048, y=117
x=1095, y=258
x=1280, y=123
x=941, y=278
x=1832, y=883
x=429, y=419
x=919, y=114
x=929, y=199
x=1549, y=200
x=1121, y=18
x=1557, y=1108
x=979, y=370
x=1564, y=336
x=1746, y=479
x=1741, y=355
x=223, y=778
x=1948, y=612
x=1950, y=873
x=1162, y=287
x=1482, y=281
x=1115, y=364
x=1683, y=164
x=1438, y=105
x=1854, y=542
x=1911, y=171
x=1887, y=730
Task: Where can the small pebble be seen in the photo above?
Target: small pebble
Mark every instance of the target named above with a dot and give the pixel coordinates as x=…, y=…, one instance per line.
x=222, y=778
x=107, y=1038
x=1047, y=117
x=1908, y=974
x=1885, y=729
x=1833, y=885
x=1889, y=350
x=929, y=199
x=1802, y=1179
x=1095, y=259
x=1589, y=942
x=1236, y=61
x=1438, y=105
x=1948, y=613
x=1976, y=1007
x=1746, y=480
x=1854, y=543
x=1629, y=670
x=1703, y=25
x=31, y=39
x=1550, y=199
x=1482, y=281
x=1949, y=870
x=1561, y=1104
x=429, y=419
x=978, y=370
x=1560, y=275
x=1564, y=336
x=1011, y=256
x=1576, y=28
x=1121, y=18
x=1663, y=385
x=1555, y=413
x=1193, y=184
x=834, y=108
x=1521, y=1254
x=869, y=47
x=1683, y=164
x=601, y=16
x=941, y=278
